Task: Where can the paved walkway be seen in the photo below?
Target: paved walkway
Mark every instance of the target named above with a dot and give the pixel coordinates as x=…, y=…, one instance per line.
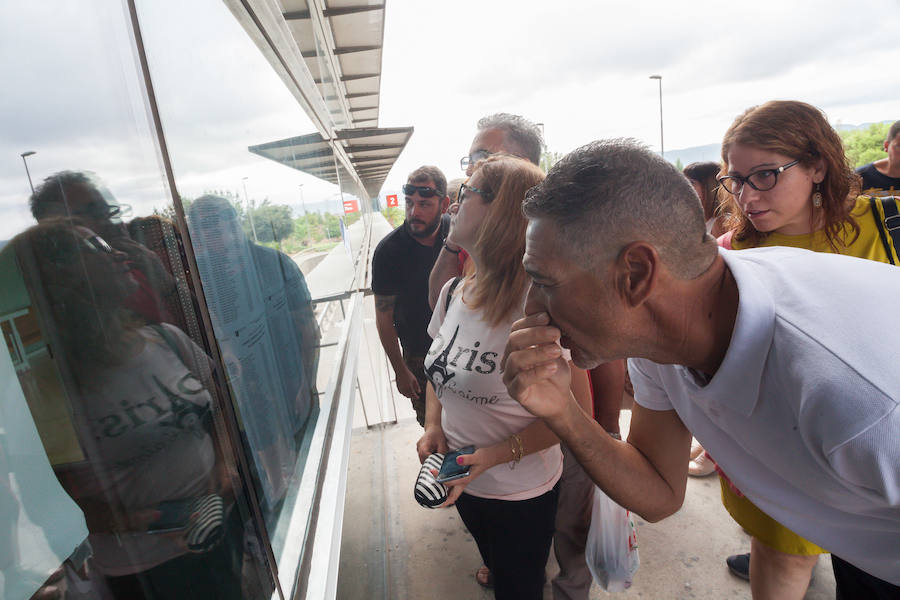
x=393, y=549
x=396, y=550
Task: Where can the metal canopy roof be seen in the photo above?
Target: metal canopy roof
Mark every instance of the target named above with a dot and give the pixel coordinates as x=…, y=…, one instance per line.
x=372, y=152
x=328, y=53
x=341, y=42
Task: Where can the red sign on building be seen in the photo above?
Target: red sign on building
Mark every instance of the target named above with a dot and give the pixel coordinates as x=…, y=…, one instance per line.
x=392, y=201
x=351, y=206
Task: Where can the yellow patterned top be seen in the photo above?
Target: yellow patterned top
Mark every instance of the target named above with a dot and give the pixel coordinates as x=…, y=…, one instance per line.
x=868, y=245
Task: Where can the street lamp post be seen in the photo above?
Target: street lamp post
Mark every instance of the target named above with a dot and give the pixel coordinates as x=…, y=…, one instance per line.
x=302, y=201
x=662, y=149
x=250, y=212
x=24, y=155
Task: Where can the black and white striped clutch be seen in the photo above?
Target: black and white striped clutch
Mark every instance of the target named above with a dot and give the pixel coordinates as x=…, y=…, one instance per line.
x=206, y=527
x=429, y=493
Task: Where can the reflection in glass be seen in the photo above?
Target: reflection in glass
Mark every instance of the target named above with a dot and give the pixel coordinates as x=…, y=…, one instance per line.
x=266, y=330
x=149, y=476
x=259, y=300
x=82, y=196
x=110, y=421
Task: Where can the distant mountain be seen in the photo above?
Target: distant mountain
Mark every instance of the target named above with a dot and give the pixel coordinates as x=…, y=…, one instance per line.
x=844, y=127
x=713, y=152
x=695, y=154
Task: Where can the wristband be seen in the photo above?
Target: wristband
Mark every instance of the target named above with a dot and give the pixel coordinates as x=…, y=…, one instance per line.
x=448, y=249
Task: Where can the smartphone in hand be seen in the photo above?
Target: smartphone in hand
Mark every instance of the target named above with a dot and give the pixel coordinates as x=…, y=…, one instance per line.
x=174, y=515
x=450, y=470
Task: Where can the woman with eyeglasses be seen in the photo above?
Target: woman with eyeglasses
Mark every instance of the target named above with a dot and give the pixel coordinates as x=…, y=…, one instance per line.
x=788, y=183
x=508, y=500
x=152, y=482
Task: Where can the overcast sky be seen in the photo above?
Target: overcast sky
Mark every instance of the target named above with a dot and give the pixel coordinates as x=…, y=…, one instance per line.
x=71, y=90
x=582, y=68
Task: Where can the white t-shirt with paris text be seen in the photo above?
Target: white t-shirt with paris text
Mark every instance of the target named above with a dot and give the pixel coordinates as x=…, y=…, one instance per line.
x=463, y=365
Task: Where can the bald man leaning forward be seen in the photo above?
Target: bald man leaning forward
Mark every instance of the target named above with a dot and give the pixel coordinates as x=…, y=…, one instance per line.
x=778, y=360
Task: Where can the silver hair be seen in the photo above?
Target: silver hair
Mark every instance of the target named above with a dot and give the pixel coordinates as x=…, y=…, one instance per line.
x=520, y=132
x=610, y=193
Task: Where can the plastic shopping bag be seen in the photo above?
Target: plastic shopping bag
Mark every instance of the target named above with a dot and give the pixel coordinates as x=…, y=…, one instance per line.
x=611, y=552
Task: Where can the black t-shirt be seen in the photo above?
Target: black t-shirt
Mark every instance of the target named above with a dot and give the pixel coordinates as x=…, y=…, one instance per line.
x=876, y=183
x=401, y=267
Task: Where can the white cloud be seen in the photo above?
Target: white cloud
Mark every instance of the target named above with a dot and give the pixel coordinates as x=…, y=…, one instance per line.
x=582, y=68
x=72, y=92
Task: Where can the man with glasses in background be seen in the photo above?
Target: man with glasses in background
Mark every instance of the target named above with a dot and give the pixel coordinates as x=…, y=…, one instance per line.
x=501, y=132
x=400, y=269
x=82, y=196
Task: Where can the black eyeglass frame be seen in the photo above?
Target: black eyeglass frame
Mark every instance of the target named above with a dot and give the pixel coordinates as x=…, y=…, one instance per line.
x=473, y=158
x=724, y=181
x=488, y=196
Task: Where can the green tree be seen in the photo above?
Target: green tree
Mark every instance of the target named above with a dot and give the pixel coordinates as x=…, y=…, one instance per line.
x=678, y=164
x=394, y=216
x=168, y=211
x=548, y=159
x=301, y=228
x=865, y=145
x=273, y=222
x=351, y=218
x=332, y=226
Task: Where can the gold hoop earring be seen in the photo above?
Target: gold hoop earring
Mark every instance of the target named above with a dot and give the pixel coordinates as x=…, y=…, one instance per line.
x=817, y=197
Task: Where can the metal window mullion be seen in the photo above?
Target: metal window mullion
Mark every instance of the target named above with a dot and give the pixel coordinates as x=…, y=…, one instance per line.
x=226, y=404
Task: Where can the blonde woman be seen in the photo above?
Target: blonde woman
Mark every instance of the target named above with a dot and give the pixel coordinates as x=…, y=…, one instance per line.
x=508, y=500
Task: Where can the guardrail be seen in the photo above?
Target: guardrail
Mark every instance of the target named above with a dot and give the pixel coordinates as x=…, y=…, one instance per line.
x=309, y=558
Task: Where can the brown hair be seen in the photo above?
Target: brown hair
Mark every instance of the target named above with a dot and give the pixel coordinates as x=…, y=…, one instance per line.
x=428, y=172
x=801, y=131
x=893, y=132
x=706, y=174
x=498, y=285
x=92, y=327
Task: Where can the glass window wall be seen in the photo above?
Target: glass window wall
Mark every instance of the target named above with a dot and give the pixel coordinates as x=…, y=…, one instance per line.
x=272, y=244
x=121, y=462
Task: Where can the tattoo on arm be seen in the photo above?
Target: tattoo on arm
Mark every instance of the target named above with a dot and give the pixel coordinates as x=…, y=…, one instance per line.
x=385, y=303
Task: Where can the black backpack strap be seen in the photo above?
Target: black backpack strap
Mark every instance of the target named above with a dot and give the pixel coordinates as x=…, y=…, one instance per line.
x=453, y=285
x=890, y=226
x=892, y=220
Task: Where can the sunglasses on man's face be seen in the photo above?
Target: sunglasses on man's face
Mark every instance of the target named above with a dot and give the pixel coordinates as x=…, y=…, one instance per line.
x=425, y=192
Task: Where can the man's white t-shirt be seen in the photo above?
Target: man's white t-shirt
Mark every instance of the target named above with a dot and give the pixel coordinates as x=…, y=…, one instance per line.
x=463, y=364
x=803, y=412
